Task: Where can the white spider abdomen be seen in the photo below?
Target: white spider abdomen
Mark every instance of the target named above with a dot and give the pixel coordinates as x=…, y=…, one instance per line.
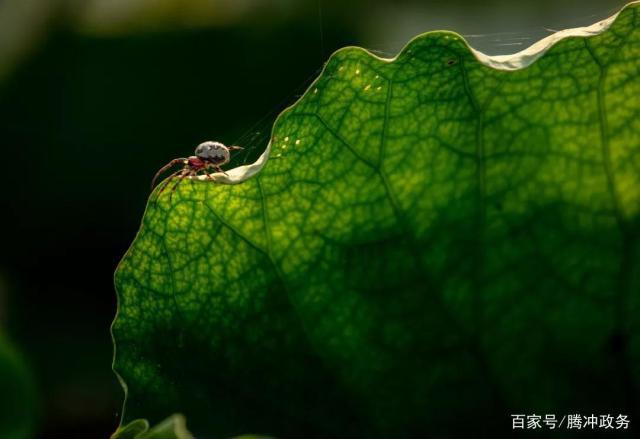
x=214, y=152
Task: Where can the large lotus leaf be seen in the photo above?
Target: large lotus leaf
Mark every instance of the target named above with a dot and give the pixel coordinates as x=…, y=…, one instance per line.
x=428, y=245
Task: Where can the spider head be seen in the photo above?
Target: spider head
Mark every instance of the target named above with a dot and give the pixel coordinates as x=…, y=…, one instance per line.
x=213, y=152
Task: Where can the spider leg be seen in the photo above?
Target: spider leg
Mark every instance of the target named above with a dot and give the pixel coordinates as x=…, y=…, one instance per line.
x=197, y=173
x=164, y=168
x=219, y=169
x=234, y=148
x=167, y=181
x=209, y=176
x=182, y=176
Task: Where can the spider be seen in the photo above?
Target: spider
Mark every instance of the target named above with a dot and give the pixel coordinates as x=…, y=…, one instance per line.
x=208, y=155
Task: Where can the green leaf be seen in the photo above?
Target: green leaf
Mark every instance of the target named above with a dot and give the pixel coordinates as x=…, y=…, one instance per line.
x=17, y=395
x=174, y=427
x=429, y=244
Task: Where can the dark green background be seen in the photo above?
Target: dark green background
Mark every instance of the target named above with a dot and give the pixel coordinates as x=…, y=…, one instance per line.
x=88, y=116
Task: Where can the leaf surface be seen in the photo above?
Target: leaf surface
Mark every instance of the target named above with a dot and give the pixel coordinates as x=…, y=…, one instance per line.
x=437, y=237
x=174, y=427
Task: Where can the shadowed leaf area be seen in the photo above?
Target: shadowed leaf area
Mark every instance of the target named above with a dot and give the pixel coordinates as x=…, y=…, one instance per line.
x=174, y=427
x=433, y=245
x=18, y=405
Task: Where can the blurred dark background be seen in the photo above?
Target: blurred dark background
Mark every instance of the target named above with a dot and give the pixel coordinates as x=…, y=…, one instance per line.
x=96, y=95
